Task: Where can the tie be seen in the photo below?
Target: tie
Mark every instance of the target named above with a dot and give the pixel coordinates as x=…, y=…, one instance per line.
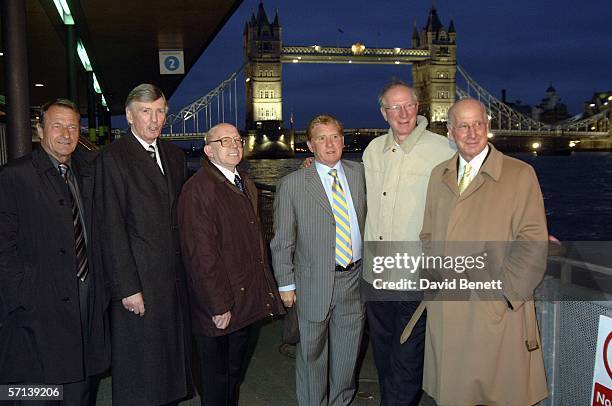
x=151, y=152
x=344, y=250
x=238, y=183
x=465, y=179
x=79, y=232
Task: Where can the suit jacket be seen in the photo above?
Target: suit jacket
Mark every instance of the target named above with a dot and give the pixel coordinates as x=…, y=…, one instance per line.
x=304, y=243
x=224, y=251
x=486, y=340
x=40, y=326
x=141, y=253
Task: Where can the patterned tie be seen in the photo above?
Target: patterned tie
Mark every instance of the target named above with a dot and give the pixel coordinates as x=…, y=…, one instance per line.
x=151, y=152
x=465, y=179
x=238, y=183
x=344, y=247
x=79, y=232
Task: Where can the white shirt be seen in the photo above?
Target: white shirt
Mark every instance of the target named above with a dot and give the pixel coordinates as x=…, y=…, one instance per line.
x=227, y=173
x=146, y=145
x=475, y=163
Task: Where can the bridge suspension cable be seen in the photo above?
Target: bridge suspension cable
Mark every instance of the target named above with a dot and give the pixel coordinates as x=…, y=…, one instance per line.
x=216, y=106
x=505, y=119
x=502, y=116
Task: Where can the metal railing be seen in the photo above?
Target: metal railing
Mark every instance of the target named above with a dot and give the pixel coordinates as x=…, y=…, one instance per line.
x=568, y=329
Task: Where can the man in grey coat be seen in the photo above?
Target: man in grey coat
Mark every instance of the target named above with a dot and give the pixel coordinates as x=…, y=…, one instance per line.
x=319, y=215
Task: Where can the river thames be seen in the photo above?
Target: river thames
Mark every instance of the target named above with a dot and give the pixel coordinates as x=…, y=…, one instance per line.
x=577, y=189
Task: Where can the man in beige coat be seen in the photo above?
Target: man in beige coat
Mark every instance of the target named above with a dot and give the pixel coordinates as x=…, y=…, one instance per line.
x=481, y=352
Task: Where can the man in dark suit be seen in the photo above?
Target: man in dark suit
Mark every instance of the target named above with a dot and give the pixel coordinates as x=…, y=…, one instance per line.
x=230, y=283
x=52, y=296
x=319, y=215
x=140, y=178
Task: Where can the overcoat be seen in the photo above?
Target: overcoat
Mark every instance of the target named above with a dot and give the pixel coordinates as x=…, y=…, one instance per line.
x=141, y=253
x=40, y=327
x=225, y=255
x=487, y=352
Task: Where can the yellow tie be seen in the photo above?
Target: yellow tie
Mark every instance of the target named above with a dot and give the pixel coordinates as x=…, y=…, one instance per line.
x=465, y=179
x=344, y=248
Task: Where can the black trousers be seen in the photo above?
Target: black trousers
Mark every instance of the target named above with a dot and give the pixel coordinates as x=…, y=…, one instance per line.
x=222, y=363
x=399, y=366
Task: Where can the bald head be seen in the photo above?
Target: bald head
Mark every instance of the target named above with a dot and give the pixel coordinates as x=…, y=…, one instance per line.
x=224, y=146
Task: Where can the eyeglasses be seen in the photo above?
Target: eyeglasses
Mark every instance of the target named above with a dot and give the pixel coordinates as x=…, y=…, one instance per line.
x=397, y=107
x=227, y=142
x=463, y=128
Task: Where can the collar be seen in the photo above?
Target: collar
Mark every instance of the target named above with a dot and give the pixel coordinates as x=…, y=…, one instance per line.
x=323, y=169
x=492, y=166
x=144, y=144
x=411, y=140
x=475, y=163
x=226, y=172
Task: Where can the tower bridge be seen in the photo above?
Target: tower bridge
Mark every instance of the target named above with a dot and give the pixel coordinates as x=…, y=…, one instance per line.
x=436, y=77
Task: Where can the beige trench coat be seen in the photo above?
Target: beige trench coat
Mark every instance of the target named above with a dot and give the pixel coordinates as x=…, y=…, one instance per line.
x=485, y=352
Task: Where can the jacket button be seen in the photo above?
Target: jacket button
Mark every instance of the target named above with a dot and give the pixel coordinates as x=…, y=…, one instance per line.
x=380, y=238
x=242, y=289
x=62, y=251
x=65, y=299
x=174, y=227
x=393, y=150
x=252, y=222
x=61, y=202
x=177, y=252
x=384, y=193
x=267, y=304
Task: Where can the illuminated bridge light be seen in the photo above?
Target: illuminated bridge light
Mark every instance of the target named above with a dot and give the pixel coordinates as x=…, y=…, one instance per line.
x=536, y=145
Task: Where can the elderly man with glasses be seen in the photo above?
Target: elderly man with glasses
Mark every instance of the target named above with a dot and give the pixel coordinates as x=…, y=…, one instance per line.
x=230, y=283
x=397, y=168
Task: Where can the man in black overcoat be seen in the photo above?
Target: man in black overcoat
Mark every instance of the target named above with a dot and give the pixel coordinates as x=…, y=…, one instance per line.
x=140, y=178
x=53, y=328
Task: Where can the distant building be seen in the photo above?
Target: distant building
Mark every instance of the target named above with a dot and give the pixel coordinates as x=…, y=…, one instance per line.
x=550, y=110
x=599, y=102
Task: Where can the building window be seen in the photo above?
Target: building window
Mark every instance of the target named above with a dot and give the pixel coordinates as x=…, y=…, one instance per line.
x=442, y=74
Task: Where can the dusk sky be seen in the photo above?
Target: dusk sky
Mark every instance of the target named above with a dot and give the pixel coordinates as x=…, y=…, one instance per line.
x=520, y=45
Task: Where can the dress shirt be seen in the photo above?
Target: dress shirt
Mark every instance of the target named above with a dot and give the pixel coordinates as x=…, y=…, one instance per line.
x=227, y=173
x=145, y=145
x=327, y=180
x=475, y=163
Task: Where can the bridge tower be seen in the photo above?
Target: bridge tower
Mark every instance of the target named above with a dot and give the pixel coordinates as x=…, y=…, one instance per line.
x=263, y=71
x=434, y=79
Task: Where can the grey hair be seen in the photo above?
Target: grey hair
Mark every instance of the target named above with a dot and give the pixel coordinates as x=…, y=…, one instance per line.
x=69, y=104
x=145, y=93
x=395, y=82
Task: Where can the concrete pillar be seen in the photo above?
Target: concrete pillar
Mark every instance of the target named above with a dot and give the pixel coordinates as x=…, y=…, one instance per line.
x=19, y=140
x=71, y=63
x=91, y=108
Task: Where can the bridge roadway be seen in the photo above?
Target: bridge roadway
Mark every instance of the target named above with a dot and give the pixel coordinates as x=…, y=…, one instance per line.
x=300, y=135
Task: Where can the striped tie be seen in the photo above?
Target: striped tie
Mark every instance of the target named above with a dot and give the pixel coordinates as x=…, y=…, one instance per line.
x=344, y=247
x=151, y=152
x=79, y=232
